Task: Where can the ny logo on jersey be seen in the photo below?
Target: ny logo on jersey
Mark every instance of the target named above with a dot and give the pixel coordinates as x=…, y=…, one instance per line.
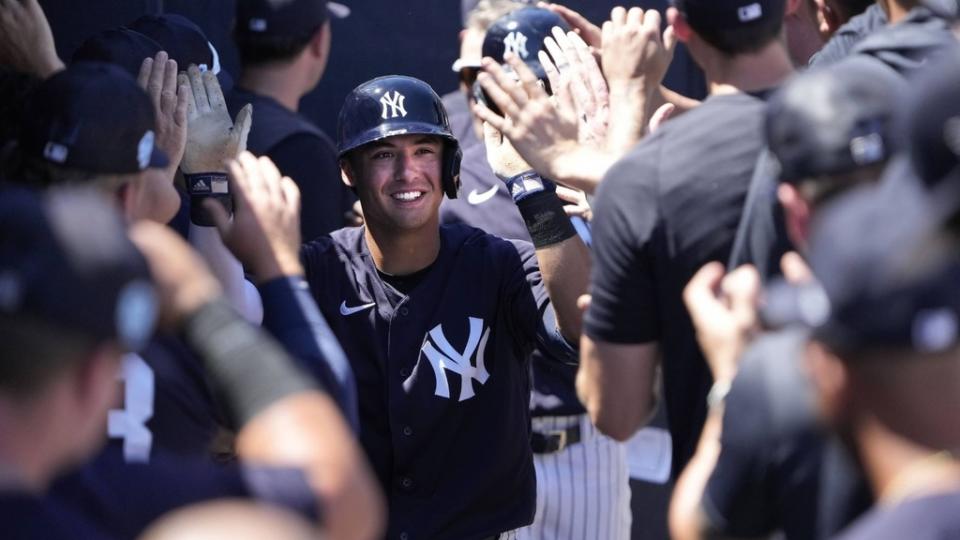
x=395, y=104
x=516, y=43
x=449, y=359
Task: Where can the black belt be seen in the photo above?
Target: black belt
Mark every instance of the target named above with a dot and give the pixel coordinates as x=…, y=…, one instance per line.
x=554, y=441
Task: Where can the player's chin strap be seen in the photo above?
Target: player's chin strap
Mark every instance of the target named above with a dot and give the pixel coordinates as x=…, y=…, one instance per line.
x=541, y=209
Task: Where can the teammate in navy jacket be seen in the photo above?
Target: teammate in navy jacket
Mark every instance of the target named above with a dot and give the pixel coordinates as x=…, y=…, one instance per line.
x=438, y=321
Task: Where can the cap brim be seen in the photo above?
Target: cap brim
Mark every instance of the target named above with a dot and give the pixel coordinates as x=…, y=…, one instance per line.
x=338, y=10
x=460, y=64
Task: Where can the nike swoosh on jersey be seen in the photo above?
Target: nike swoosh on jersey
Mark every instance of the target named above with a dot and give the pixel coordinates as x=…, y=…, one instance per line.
x=344, y=310
x=480, y=198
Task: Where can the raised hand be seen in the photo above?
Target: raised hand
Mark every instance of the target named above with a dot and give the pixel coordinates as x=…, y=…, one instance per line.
x=544, y=131
x=635, y=60
x=184, y=283
x=724, y=313
x=212, y=137
x=26, y=41
x=577, y=204
x=264, y=233
x=589, y=32
x=634, y=51
x=158, y=76
x=571, y=67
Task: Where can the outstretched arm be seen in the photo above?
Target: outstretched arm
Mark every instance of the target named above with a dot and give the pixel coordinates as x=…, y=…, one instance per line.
x=285, y=420
x=563, y=258
x=213, y=138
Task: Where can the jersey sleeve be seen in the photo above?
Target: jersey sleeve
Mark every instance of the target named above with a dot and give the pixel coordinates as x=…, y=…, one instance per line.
x=292, y=316
x=739, y=500
x=312, y=163
x=531, y=314
x=124, y=498
x=623, y=284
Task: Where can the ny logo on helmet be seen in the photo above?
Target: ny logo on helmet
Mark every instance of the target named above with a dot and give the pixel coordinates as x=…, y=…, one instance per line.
x=443, y=358
x=394, y=104
x=516, y=43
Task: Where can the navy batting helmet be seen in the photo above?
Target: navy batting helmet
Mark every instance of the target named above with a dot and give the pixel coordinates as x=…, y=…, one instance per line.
x=521, y=32
x=398, y=105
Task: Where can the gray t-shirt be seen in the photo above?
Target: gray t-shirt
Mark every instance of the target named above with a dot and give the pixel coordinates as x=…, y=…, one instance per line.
x=849, y=35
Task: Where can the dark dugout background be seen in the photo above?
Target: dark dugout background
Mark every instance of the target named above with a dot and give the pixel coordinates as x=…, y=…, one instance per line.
x=381, y=37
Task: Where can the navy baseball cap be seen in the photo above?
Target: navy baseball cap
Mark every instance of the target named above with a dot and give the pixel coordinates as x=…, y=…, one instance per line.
x=120, y=46
x=729, y=13
x=886, y=257
x=929, y=120
x=834, y=120
x=879, y=297
x=285, y=17
x=183, y=40
x=92, y=117
x=522, y=32
x=65, y=261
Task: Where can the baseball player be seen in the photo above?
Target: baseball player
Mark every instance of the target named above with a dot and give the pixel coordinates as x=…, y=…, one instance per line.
x=582, y=479
x=284, y=48
x=77, y=296
x=438, y=321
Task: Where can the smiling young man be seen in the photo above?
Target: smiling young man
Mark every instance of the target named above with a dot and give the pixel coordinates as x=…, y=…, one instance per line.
x=438, y=321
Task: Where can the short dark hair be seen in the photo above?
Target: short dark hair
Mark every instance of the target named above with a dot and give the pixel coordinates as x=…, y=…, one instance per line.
x=742, y=39
x=34, y=353
x=266, y=49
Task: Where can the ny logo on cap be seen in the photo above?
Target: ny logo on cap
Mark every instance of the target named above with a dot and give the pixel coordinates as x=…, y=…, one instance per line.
x=395, y=104
x=750, y=12
x=145, y=149
x=56, y=152
x=516, y=43
x=449, y=359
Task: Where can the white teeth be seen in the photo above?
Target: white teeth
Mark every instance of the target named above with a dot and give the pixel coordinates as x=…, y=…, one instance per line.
x=407, y=195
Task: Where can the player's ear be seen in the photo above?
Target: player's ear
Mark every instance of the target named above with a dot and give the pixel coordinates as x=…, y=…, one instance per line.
x=129, y=195
x=346, y=174
x=680, y=25
x=796, y=213
x=830, y=380
x=318, y=42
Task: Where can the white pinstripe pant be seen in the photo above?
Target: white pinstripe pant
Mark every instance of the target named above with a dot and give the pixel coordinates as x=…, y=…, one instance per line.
x=583, y=491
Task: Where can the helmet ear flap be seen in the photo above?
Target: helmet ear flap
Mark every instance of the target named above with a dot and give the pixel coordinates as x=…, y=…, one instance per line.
x=452, y=156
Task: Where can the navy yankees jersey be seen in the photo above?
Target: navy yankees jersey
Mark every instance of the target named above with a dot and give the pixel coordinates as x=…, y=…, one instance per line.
x=442, y=376
x=167, y=403
x=121, y=499
x=485, y=203
x=27, y=515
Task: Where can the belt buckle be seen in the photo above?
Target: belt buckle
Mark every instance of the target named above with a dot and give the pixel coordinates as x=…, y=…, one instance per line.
x=562, y=442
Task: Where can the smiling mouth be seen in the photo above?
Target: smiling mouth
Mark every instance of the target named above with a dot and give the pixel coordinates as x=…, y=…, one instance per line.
x=407, y=196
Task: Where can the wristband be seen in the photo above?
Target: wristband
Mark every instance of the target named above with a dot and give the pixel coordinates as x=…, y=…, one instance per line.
x=248, y=369
x=545, y=218
x=528, y=183
x=718, y=394
x=202, y=186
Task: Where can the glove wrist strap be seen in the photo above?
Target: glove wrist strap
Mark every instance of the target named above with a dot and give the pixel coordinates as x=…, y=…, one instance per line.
x=208, y=185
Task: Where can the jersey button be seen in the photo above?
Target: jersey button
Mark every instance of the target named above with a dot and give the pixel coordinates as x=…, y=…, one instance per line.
x=406, y=482
x=404, y=536
x=404, y=311
x=407, y=430
x=404, y=372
